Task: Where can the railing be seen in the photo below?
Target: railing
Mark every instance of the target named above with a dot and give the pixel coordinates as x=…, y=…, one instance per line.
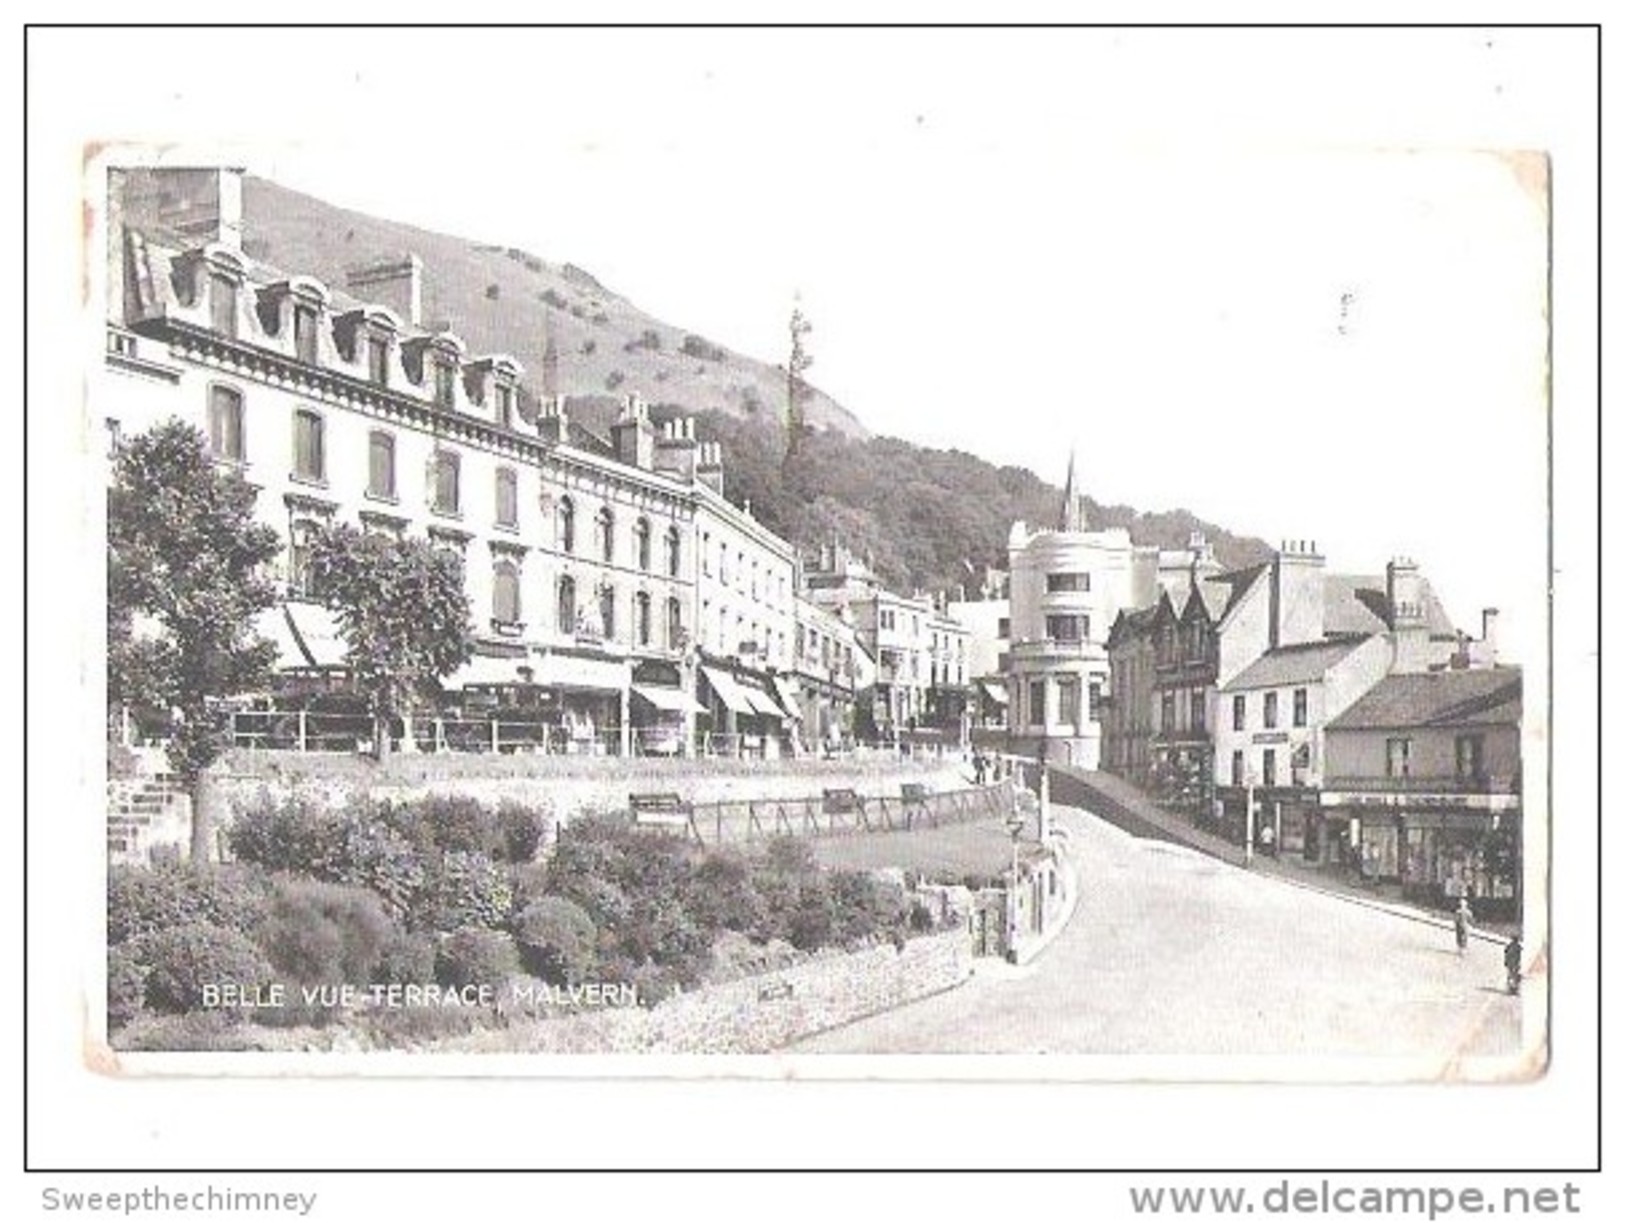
x=325, y=732
x=739, y=822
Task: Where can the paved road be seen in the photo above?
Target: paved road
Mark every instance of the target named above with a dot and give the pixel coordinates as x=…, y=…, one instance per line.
x=1174, y=953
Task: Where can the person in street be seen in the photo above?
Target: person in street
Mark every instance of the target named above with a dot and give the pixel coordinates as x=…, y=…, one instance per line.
x=1513, y=959
x=979, y=765
x=1464, y=918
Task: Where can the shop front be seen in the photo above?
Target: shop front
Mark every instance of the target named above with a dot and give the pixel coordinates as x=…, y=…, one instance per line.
x=662, y=712
x=1437, y=848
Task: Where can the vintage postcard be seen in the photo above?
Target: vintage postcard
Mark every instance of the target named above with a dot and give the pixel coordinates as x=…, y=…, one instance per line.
x=722, y=582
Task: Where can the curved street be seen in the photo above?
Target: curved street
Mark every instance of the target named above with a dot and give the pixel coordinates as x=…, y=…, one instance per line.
x=1174, y=953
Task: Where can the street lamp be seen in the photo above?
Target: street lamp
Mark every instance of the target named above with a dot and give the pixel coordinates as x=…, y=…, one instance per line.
x=1013, y=823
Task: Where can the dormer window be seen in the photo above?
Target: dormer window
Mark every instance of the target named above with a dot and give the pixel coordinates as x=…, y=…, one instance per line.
x=504, y=406
x=445, y=385
x=223, y=304
x=304, y=333
x=378, y=358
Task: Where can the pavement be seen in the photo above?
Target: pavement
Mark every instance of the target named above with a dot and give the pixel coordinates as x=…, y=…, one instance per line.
x=1173, y=953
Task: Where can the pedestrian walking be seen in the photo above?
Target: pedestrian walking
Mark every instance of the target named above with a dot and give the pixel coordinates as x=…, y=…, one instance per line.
x=1513, y=959
x=979, y=764
x=1464, y=918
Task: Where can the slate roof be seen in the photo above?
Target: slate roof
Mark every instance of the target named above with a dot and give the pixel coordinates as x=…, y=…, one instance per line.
x=1294, y=664
x=1489, y=697
x=1358, y=604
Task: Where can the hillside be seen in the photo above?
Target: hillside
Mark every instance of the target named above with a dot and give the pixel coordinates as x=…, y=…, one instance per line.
x=921, y=516
x=502, y=299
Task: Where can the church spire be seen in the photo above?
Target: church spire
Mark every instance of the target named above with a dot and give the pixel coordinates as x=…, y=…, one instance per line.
x=1073, y=517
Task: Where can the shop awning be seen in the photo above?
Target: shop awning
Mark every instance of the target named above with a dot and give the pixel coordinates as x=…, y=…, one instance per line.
x=729, y=690
x=272, y=624
x=318, y=632
x=995, y=691
x=573, y=671
x=787, y=698
x=483, y=669
x=763, y=703
x=667, y=700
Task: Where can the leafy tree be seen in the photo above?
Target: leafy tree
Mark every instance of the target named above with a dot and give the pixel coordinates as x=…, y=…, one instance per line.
x=186, y=576
x=403, y=612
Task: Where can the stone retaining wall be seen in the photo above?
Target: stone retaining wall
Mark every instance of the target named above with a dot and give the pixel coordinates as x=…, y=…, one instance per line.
x=753, y=1015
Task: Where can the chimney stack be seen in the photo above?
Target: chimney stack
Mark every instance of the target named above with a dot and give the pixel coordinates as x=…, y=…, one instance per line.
x=553, y=421
x=198, y=204
x=675, y=450
x=1297, y=594
x=708, y=467
x=634, y=435
x=395, y=282
x=1407, y=617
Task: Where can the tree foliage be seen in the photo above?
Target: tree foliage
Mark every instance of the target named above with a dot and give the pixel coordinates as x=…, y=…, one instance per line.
x=918, y=514
x=187, y=573
x=403, y=612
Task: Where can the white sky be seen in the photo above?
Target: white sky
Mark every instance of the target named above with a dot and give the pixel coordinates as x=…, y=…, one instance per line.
x=1007, y=242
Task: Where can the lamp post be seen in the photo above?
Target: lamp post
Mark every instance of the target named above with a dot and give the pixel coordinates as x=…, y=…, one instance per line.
x=1014, y=823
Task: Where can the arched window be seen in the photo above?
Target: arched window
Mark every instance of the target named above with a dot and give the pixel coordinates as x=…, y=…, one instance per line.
x=674, y=625
x=640, y=532
x=567, y=604
x=643, y=618
x=505, y=593
x=606, y=610
x=226, y=423
x=445, y=494
x=674, y=552
x=604, y=524
x=567, y=527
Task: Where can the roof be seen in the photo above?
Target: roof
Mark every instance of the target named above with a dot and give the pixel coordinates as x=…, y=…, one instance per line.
x=1238, y=582
x=1489, y=697
x=1358, y=604
x=1295, y=664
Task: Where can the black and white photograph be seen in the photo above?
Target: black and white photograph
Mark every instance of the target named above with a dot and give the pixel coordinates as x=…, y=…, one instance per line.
x=816, y=554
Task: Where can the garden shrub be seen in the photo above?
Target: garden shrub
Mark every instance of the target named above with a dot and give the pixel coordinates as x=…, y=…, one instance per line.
x=557, y=940
x=406, y=958
x=126, y=986
x=295, y=835
x=182, y=960
x=324, y=933
x=523, y=830
x=142, y=900
x=726, y=896
x=476, y=956
x=381, y=858
x=865, y=907
x=463, y=889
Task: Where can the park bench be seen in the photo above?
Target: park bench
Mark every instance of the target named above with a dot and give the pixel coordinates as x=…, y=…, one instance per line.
x=914, y=793
x=666, y=809
x=842, y=802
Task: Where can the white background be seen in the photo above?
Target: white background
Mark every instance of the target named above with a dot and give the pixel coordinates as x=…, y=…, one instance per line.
x=1203, y=273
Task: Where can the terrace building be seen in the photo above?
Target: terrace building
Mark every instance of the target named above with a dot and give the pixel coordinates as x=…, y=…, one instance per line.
x=614, y=590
